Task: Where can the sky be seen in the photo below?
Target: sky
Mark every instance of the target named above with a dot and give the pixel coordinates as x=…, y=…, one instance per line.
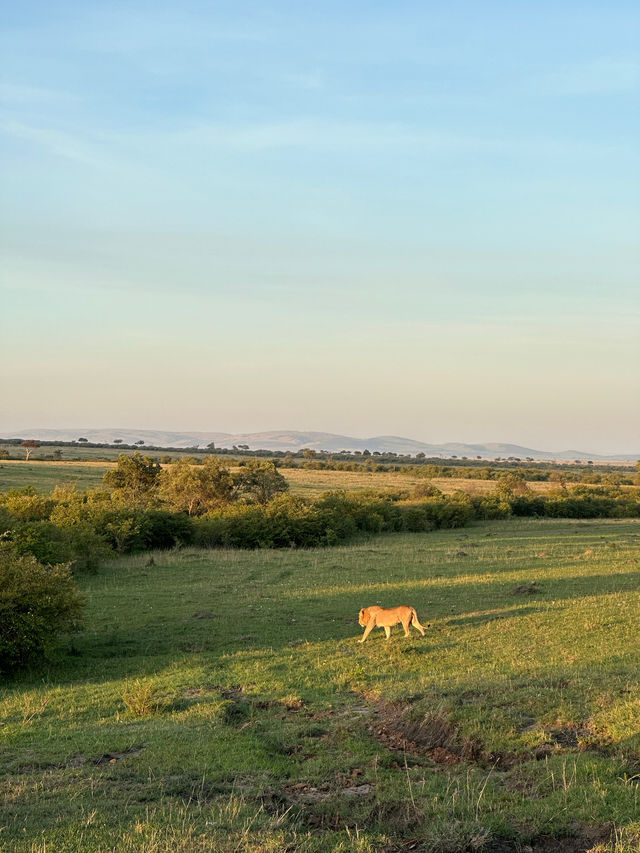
x=368, y=218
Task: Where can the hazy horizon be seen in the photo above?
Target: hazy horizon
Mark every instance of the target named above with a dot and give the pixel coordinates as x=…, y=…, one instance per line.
x=414, y=220
x=118, y=431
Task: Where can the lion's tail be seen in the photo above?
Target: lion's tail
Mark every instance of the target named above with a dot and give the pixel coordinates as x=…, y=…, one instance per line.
x=415, y=622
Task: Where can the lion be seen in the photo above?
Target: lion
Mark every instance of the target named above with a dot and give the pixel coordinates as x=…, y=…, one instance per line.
x=381, y=617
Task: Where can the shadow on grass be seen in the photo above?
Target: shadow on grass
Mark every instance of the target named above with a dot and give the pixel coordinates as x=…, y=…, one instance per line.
x=268, y=623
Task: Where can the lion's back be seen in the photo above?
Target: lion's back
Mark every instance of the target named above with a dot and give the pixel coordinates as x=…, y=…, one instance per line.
x=392, y=615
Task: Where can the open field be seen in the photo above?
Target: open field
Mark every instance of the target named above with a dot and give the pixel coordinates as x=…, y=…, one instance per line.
x=44, y=476
x=312, y=483
x=181, y=720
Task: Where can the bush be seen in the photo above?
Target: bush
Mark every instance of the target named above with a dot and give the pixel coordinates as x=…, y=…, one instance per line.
x=491, y=507
x=456, y=510
x=143, y=699
x=426, y=490
x=37, y=604
x=87, y=548
x=416, y=517
x=42, y=539
x=159, y=529
x=26, y=504
x=234, y=526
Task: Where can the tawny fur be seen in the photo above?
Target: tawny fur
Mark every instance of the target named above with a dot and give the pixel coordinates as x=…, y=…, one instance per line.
x=380, y=617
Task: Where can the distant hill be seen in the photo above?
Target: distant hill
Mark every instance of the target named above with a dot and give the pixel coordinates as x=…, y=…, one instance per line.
x=296, y=440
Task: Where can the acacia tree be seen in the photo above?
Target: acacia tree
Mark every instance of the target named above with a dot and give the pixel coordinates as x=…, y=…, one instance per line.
x=135, y=481
x=512, y=483
x=260, y=481
x=197, y=489
x=30, y=445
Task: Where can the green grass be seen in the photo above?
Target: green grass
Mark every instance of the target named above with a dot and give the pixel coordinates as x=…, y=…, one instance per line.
x=220, y=700
x=44, y=477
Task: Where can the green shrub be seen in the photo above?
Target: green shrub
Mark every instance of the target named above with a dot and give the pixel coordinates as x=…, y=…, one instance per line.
x=234, y=526
x=426, y=490
x=26, y=504
x=87, y=548
x=491, y=507
x=7, y=521
x=37, y=604
x=159, y=529
x=42, y=539
x=144, y=699
x=455, y=510
x=416, y=517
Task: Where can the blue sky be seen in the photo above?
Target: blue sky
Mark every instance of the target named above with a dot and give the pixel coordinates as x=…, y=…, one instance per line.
x=408, y=218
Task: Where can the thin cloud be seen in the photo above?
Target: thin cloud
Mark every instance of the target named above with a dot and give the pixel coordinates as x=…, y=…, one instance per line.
x=18, y=95
x=56, y=142
x=600, y=76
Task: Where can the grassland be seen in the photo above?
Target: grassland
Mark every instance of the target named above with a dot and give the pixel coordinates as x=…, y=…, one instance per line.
x=312, y=483
x=221, y=701
x=44, y=476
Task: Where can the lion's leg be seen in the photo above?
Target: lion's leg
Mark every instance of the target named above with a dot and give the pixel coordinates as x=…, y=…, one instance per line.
x=416, y=624
x=368, y=629
x=405, y=625
x=387, y=631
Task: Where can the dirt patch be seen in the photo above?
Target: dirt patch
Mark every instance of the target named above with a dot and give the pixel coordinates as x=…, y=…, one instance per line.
x=113, y=757
x=203, y=614
x=583, y=840
x=582, y=736
x=567, y=737
x=78, y=760
x=443, y=756
x=433, y=736
x=290, y=705
x=526, y=589
x=357, y=791
x=302, y=792
x=397, y=730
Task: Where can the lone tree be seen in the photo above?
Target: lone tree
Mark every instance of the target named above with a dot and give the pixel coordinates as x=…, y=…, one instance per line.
x=135, y=481
x=259, y=481
x=30, y=445
x=141, y=442
x=83, y=440
x=117, y=441
x=512, y=483
x=197, y=489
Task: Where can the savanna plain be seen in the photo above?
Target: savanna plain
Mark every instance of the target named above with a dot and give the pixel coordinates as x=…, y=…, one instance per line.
x=221, y=700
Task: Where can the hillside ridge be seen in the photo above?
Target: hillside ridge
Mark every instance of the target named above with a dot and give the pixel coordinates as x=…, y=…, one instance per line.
x=294, y=440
